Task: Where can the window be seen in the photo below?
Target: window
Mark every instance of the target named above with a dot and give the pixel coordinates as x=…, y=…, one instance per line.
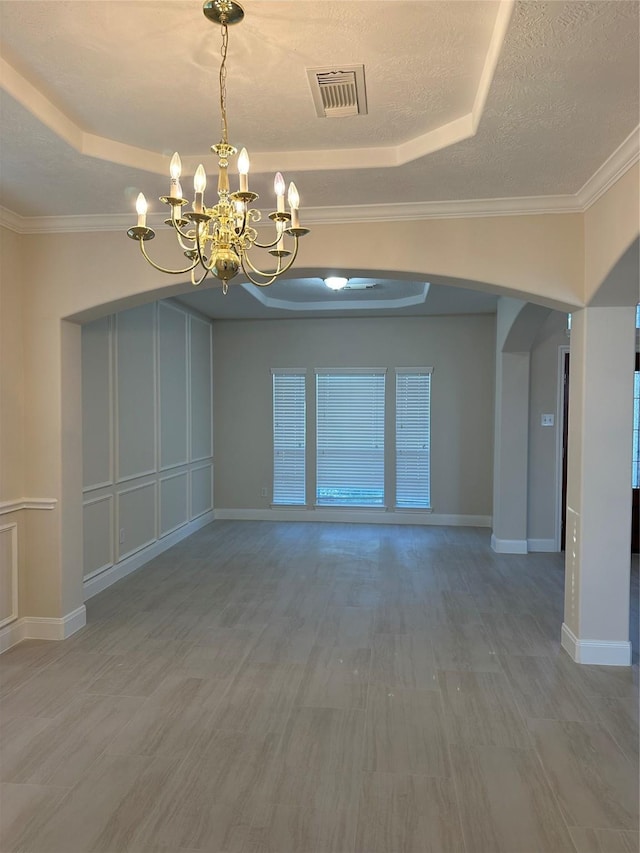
x=289, y=425
x=350, y=438
x=413, y=405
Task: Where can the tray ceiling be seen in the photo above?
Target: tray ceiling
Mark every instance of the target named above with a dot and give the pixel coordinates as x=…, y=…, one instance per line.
x=466, y=100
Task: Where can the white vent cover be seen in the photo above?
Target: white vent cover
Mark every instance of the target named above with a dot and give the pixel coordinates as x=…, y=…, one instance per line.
x=338, y=92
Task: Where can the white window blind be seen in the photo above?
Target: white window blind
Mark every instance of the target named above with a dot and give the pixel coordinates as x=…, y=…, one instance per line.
x=350, y=438
x=413, y=415
x=289, y=437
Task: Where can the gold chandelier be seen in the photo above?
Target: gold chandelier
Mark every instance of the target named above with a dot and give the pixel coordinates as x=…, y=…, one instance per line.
x=218, y=239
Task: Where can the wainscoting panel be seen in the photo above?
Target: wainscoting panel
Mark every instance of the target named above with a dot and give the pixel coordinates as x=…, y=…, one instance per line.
x=136, y=514
x=136, y=392
x=97, y=400
x=172, y=385
x=8, y=573
x=201, y=490
x=201, y=390
x=174, y=502
x=98, y=539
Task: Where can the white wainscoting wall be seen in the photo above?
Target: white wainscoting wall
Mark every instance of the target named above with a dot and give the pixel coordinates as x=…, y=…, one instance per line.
x=147, y=436
x=15, y=627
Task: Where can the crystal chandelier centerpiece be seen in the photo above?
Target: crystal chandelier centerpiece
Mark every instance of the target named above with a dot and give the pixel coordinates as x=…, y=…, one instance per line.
x=219, y=239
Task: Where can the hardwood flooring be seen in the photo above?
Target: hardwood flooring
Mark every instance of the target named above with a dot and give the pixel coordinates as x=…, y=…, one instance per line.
x=320, y=688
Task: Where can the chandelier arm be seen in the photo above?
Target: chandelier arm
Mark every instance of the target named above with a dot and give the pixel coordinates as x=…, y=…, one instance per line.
x=163, y=269
x=279, y=235
x=270, y=276
x=180, y=234
x=268, y=245
x=254, y=281
x=201, y=258
x=291, y=260
x=181, y=237
x=200, y=280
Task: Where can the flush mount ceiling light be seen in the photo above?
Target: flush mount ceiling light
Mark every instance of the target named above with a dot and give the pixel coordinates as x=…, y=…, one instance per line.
x=335, y=282
x=218, y=239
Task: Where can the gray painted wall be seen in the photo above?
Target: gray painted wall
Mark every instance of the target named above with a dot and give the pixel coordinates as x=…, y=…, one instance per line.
x=543, y=504
x=461, y=350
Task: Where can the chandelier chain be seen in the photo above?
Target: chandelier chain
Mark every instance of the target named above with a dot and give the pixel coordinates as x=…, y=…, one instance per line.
x=223, y=80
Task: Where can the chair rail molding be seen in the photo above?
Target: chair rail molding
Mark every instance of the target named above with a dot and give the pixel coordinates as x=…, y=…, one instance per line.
x=27, y=503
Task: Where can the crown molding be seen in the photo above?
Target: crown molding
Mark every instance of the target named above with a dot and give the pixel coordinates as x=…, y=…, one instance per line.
x=623, y=158
x=339, y=215
x=626, y=155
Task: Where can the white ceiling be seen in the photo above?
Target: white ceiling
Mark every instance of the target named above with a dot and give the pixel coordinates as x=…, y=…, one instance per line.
x=479, y=100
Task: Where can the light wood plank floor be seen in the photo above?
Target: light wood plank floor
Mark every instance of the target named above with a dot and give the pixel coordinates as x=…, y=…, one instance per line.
x=321, y=688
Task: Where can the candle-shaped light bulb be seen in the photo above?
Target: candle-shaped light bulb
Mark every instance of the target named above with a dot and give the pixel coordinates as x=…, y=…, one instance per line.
x=294, y=196
x=200, y=179
x=243, y=170
x=279, y=187
x=199, y=183
x=141, y=210
x=175, y=168
x=294, y=204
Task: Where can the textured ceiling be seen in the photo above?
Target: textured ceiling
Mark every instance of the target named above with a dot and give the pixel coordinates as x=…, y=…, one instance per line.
x=563, y=95
x=90, y=60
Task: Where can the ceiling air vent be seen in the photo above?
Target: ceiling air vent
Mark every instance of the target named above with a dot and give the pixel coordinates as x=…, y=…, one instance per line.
x=338, y=92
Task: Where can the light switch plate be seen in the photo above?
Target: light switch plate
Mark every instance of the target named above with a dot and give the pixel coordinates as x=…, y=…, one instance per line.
x=546, y=420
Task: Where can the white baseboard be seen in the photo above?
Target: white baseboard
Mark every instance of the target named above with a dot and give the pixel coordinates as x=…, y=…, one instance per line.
x=542, y=545
x=125, y=567
x=42, y=628
x=601, y=652
x=357, y=516
x=508, y=546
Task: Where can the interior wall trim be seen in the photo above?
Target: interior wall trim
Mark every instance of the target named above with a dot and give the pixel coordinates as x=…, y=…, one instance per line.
x=362, y=516
x=27, y=503
x=599, y=652
x=626, y=155
x=508, y=546
x=42, y=628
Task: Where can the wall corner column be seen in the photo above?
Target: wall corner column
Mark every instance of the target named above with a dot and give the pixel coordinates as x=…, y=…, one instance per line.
x=598, y=541
x=511, y=438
